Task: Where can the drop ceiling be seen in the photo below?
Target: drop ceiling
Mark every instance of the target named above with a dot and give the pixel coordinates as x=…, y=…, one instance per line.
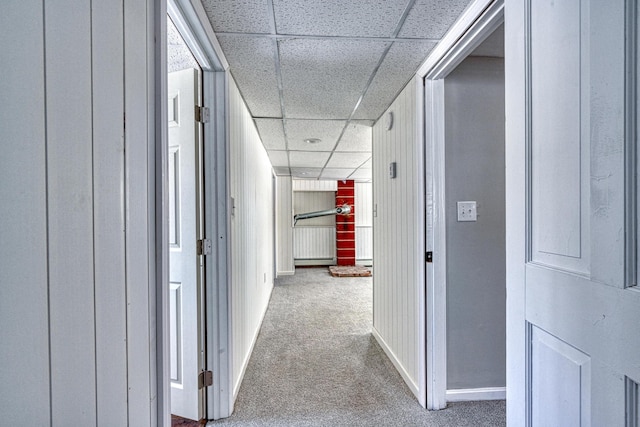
x=325, y=69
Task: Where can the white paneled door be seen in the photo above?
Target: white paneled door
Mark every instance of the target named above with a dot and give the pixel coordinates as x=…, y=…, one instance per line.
x=183, y=168
x=579, y=361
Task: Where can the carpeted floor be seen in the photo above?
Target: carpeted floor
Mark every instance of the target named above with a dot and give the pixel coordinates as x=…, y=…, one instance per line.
x=315, y=363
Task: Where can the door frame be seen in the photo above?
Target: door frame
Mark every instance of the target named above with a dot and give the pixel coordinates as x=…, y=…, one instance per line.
x=480, y=19
x=191, y=20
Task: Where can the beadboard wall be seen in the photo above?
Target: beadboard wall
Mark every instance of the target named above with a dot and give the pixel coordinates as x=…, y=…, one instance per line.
x=252, y=232
x=398, y=238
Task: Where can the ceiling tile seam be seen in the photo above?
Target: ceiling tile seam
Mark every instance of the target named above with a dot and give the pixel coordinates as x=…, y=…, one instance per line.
x=276, y=59
x=355, y=108
x=358, y=168
x=403, y=17
x=318, y=37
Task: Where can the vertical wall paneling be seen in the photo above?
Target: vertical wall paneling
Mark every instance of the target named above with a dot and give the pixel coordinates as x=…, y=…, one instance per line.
x=137, y=215
x=70, y=214
x=77, y=261
x=109, y=227
x=398, y=239
x=284, y=226
x=251, y=232
x=364, y=222
x=316, y=243
x=24, y=372
x=314, y=185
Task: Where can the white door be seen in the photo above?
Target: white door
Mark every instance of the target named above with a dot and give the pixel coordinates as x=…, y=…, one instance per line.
x=573, y=308
x=184, y=274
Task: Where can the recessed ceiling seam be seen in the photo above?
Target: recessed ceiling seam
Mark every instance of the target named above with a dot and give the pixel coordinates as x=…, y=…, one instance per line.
x=366, y=88
x=317, y=37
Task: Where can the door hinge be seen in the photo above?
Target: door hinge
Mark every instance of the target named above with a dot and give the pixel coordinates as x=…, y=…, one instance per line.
x=205, y=379
x=202, y=114
x=428, y=257
x=204, y=247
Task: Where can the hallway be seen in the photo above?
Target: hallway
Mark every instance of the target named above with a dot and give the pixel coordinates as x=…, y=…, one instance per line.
x=315, y=363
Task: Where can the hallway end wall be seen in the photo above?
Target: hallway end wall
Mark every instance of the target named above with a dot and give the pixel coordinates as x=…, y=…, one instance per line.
x=252, y=232
x=398, y=238
x=284, y=226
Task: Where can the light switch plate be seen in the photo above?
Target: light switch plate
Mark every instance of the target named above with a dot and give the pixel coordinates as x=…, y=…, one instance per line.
x=467, y=211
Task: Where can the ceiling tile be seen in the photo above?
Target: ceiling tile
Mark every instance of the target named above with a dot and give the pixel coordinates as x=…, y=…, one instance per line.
x=281, y=170
x=272, y=133
x=348, y=160
x=336, y=173
x=307, y=173
x=398, y=67
x=364, y=18
x=278, y=158
x=325, y=78
x=439, y=15
x=252, y=62
x=356, y=137
x=307, y=159
x=327, y=131
x=179, y=56
x=238, y=16
x=361, y=174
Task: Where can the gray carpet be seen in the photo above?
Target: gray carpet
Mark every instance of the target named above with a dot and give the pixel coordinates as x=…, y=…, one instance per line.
x=315, y=363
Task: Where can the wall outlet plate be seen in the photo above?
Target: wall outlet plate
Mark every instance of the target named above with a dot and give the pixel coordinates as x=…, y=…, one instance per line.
x=467, y=211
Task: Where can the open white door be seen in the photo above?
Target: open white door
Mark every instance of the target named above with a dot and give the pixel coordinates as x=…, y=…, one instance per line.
x=573, y=307
x=184, y=275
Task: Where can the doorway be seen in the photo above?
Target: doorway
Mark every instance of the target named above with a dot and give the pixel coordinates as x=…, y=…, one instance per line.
x=465, y=282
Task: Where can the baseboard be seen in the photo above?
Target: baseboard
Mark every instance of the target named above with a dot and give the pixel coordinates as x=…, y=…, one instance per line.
x=469, y=394
x=245, y=362
x=314, y=262
x=392, y=357
x=285, y=273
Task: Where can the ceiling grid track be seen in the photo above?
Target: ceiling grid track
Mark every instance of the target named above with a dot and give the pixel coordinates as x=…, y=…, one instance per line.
x=403, y=18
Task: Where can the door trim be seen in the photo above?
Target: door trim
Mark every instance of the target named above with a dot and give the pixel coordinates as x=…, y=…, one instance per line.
x=191, y=20
x=479, y=20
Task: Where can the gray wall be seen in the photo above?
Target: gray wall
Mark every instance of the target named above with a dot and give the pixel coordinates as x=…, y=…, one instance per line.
x=474, y=100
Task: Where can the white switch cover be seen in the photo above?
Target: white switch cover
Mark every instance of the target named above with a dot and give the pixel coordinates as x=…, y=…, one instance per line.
x=467, y=211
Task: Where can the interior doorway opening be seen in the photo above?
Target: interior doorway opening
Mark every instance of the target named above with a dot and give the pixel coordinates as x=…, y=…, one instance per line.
x=465, y=152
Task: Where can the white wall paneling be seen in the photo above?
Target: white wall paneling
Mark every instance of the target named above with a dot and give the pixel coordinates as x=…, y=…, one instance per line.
x=398, y=238
x=251, y=232
x=24, y=309
x=364, y=222
x=316, y=243
x=284, y=226
x=313, y=185
x=71, y=204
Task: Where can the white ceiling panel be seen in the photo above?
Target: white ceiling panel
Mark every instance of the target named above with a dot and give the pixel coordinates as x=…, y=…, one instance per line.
x=278, y=158
x=348, y=160
x=306, y=173
x=281, y=170
x=238, y=16
x=307, y=159
x=336, y=173
x=179, y=56
x=357, y=137
x=324, y=78
x=363, y=18
x=327, y=131
x=252, y=62
x=272, y=134
x=430, y=19
x=361, y=174
x=398, y=67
